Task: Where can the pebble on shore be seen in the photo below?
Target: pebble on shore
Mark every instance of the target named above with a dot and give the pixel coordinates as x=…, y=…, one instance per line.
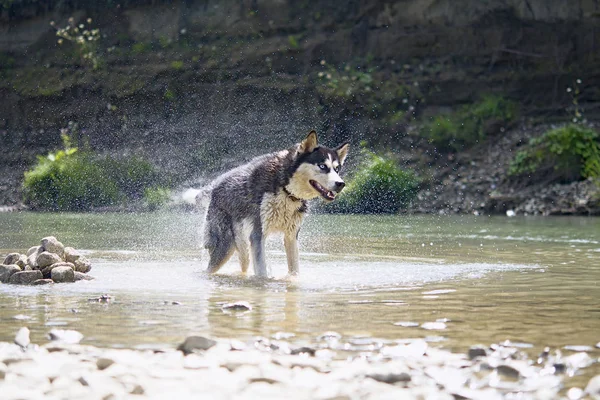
x=265, y=368
x=51, y=262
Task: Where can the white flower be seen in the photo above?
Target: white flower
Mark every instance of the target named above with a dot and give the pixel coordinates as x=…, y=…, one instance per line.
x=578, y=81
x=569, y=90
x=323, y=62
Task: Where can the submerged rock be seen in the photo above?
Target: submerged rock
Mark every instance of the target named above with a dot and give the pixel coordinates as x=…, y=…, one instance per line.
x=6, y=271
x=237, y=306
x=80, y=276
x=62, y=274
x=42, y=282
x=52, y=245
x=25, y=277
x=193, y=343
x=45, y=259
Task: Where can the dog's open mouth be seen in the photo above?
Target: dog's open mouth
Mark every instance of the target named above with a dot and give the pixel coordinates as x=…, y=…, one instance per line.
x=326, y=194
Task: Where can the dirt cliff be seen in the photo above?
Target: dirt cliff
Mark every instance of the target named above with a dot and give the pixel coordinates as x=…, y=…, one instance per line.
x=192, y=82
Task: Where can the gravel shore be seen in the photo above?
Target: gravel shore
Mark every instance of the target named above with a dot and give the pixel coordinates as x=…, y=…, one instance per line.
x=331, y=368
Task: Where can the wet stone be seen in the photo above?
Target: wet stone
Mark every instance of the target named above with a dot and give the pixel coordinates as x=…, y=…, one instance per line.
x=194, y=343
x=71, y=255
x=52, y=245
x=47, y=271
x=476, y=351
x=45, y=259
x=103, y=363
x=237, y=306
x=390, y=378
x=82, y=264
x=62, y=274
x=42, y=282
x=25, y=277
x=80, y=276
x=6, y=271
x=34, y=250
x=11, y=258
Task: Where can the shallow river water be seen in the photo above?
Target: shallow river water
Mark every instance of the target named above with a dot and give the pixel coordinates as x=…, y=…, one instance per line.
x=533, y=281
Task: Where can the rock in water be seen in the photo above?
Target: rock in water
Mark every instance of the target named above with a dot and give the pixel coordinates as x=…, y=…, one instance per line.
x=6, y=271
x=45, y=259
x=46, y=271
x=80, y=276
x=12, y=258
x=52, y=245
x=62, y=274
x=25, y=277
x=195, y=343
x=22, y=338
x=42, y=282
x=65, y=336
x=237, y=306
x=71, y=255
x=82, y=264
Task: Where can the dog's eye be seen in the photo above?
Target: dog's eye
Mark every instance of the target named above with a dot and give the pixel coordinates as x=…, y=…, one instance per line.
x=322, y=166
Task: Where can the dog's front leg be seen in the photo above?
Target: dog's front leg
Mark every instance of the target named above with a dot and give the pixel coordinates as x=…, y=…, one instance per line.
x=290, y=242
x=257, y=242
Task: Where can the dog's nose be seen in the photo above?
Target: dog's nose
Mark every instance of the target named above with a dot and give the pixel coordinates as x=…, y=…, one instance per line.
x=339, y=186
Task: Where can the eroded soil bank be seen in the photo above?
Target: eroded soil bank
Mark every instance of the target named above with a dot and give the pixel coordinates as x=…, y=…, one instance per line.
x=197, y=87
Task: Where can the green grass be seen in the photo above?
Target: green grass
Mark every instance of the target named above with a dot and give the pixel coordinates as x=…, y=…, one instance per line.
x=470, y=125
x=568, y=153
x=69, y=180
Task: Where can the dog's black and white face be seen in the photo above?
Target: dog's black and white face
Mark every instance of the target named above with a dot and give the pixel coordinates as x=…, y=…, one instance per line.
x=318, y=170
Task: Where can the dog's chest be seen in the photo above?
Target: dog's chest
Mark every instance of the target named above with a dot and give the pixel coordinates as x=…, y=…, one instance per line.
x=279, y=213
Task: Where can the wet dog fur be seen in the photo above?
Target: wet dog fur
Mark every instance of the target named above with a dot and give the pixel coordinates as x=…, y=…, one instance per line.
x=268, y=194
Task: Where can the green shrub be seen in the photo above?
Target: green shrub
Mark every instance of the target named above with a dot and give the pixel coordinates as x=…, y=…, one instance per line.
x=156, y=197
x=470, y=124
x=79, y=180
x=379, y=185
x=568, y=153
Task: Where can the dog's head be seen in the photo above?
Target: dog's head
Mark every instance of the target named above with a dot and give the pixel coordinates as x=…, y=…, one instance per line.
x=317, y=170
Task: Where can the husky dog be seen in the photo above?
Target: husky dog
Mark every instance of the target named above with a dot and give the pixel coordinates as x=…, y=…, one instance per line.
x=269, y=194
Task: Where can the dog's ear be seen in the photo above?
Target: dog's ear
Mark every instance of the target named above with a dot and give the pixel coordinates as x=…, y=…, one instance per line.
x=342, y=152
x=309, y=144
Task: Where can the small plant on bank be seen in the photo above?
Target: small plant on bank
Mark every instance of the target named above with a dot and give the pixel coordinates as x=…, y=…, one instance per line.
x=78, y=180
x=470, y=124
x=345, y=83
x=568, y=153
x=84, y=38
x=379, y=185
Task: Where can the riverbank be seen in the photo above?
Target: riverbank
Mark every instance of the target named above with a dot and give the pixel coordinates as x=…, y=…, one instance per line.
x=473, y=181
x=332, y=367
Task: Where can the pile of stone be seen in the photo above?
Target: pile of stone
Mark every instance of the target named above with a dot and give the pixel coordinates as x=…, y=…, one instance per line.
x=51, y=262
